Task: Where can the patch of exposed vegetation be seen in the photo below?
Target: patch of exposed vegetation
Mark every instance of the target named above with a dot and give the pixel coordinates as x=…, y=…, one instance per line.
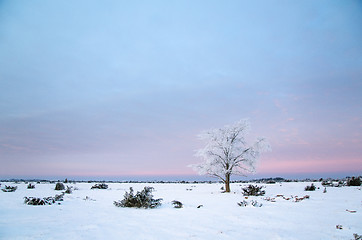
x=143, y=199
x=100, y=186
x=177, y=204
x=310, y=188
x=43, y=201
x=253, y=203
x=59, y=186
x=354, y=181
x=9, y=188
x=253, y=190
x=69, y=190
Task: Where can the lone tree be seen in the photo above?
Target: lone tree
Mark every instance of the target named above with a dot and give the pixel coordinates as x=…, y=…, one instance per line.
x=227, y=153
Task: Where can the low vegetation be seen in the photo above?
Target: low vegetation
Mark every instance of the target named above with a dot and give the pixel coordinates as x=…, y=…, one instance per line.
x=59, y=186
x=9, y=188
x=43, y=201
x=310, y=188
x=357, y=237
x=177, y=204
x=69, y=190
x=143, y=199
x=354, y=181
x=253, y=203
x=100, y=186
x=253, y=190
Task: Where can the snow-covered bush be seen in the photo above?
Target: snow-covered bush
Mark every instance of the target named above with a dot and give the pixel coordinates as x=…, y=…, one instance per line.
x=357, y=237
x=59, y=186
x=69, y=190
x=310, y=188
x=100, y=186
x=59, y=197
x=243, y=203
x=31, y=186
x=253, y=190
x=177, y=204
x=354, y=181
x=39, y=201
x=9, y=189
x=143, y=199
x=327, y=183
x=254, y=203
x=43, y=201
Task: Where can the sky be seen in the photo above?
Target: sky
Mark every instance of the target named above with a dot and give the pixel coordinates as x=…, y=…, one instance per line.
x=122, y=88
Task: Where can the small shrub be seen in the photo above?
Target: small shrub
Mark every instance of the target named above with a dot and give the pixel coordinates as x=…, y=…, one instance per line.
x=59, y=197
x=9, y=189
x=357, y=237
x=310, y=188
x=100, y=186
x=177, y=204
x=327, y=183
x=340, y=227
x=69, y=190
x=143, y=199
x=254, y=203
x=38, y=201
x=243, y=203
x=31, y=186
x=253, y=190
x=59, y=186
x=354, y=181
x=43, y=201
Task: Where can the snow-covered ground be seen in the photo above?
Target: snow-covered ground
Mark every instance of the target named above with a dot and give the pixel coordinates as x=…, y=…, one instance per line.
x=219, y=218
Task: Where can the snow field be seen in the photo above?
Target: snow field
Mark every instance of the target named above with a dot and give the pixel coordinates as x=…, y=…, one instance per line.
x=219, y=218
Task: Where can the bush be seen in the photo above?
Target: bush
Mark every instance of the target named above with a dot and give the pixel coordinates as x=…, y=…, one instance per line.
x=31, y=186
x=177, y=204
x=327, y=183
x=357, y=237
x=100, y=186
x=9, y=189
x=59, y=186
x=254, y=203
x=310, y=188
x=69, y=190
x=59, y=197
x=253, y=190
x=38, y=201
x=143, y=199
x=43, y=201
x=243, y=203
x=354, y=181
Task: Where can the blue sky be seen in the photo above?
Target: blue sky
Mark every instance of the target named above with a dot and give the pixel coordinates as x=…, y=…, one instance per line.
x=110, y=88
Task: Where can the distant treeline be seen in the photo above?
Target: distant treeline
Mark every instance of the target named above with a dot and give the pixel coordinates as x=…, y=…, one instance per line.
x=261, y=180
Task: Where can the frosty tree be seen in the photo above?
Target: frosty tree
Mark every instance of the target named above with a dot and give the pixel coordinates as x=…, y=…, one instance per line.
x=227, y=153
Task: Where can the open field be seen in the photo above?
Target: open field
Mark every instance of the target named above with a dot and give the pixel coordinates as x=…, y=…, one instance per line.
x=90, y=214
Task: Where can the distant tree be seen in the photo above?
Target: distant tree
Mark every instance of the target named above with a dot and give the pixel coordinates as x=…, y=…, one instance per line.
x=227, y=152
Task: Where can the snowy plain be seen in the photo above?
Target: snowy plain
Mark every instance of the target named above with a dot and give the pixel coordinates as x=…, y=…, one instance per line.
x=220, y=217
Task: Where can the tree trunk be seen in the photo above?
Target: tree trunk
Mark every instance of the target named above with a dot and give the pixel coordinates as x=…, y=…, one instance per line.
x=227, y=183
